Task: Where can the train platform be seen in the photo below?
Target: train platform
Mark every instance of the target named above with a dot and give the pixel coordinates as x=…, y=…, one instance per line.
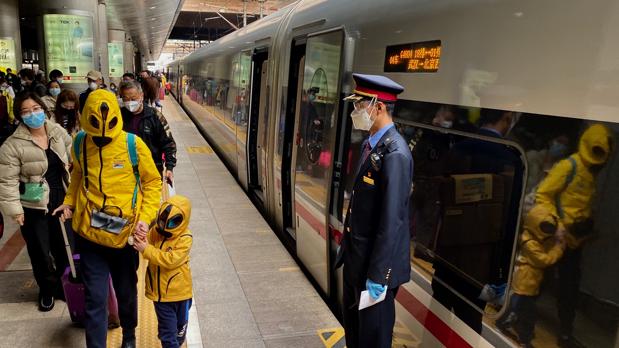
x=248, y=290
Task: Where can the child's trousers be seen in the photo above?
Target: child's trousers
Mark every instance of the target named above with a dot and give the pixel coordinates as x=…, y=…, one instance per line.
x=172, y=320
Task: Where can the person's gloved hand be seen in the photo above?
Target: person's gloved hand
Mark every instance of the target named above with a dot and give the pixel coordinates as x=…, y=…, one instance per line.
x=374, y=289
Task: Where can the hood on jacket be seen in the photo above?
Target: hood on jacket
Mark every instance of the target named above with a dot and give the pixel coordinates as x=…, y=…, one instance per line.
x=595, y=145
x=101, y=117
x=173, y=216
x=540, y=222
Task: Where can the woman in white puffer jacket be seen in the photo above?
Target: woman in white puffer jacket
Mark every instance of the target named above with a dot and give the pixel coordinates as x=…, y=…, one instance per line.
x=34, y=163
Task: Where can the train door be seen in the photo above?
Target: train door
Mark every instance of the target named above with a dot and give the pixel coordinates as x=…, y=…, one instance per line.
x=241, y=113
x=297, y=64
x=256, y=138
x=317, y=125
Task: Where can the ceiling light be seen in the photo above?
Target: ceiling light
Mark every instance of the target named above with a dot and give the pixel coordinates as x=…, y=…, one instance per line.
x=153, y=7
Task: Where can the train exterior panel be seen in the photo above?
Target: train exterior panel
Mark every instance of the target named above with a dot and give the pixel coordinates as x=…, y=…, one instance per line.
x=268, y=98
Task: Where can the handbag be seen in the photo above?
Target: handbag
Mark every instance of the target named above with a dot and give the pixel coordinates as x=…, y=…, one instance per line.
x=31, y=191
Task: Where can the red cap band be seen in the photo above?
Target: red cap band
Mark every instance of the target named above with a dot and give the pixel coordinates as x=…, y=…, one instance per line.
x=385, y=96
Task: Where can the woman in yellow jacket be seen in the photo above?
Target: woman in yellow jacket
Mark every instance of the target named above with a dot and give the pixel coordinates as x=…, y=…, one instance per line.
x=168, y=278
x=112, y=199
x=568, y=191
x=541, y=245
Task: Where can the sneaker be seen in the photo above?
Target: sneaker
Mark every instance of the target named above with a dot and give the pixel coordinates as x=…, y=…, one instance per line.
x=567, y=341
x=46, y=303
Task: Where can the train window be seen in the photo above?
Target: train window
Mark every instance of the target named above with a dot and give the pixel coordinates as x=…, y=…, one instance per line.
x=470, y=191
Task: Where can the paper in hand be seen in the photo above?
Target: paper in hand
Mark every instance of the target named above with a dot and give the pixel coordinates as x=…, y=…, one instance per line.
x=366, y=300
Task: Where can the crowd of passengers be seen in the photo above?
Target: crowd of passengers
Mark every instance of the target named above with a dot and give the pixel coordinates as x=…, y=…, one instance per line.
x=63, y=156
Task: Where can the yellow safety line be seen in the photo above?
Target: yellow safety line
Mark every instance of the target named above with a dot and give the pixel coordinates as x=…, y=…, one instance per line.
x=146, y=332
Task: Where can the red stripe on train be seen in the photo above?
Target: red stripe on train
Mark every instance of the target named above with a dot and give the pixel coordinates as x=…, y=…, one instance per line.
x=439, y=329
x=317, y=226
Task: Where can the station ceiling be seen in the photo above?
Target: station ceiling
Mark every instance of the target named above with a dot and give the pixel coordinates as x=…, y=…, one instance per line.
x=201, y=19
x=149, y=22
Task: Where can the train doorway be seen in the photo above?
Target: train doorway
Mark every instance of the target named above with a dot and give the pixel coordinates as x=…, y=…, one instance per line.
x=257, y=135
x=297, y=56
x=316, y=127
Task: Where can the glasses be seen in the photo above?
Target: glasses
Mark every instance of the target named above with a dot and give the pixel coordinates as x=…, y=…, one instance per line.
x=35, y=109
x=363, y=103
x=68, y=106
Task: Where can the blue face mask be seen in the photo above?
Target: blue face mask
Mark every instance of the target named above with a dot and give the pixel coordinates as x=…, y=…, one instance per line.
x=34, y=120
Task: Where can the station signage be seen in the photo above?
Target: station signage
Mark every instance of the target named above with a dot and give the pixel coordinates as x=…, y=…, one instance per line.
x=417, y=57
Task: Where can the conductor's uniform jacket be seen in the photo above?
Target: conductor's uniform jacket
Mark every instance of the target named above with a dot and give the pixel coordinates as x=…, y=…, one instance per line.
x=376, y=243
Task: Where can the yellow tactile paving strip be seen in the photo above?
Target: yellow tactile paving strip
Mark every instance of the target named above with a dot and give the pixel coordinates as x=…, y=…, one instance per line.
x=146, y=332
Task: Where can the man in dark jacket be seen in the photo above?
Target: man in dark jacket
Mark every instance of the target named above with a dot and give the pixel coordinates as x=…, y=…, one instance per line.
x=94, y=79
x=28, y=81
x=149, y=124
x=375, y=249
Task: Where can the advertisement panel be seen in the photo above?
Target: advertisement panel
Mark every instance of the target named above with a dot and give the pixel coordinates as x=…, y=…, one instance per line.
x=69, y=45
x=7, y=54
x=115, y=56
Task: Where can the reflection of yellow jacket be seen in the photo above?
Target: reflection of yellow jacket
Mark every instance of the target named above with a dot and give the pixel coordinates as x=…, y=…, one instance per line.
x=572, y=203
x=168, y=278
x=538, y=251
x=111, y=181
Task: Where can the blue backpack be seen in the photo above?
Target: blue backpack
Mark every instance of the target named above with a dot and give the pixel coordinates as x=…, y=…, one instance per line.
x=79, y=144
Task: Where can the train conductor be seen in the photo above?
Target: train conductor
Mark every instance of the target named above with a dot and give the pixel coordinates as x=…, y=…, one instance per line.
x=375, y=250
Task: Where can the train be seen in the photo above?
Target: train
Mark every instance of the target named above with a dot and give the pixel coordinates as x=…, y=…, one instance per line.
x=268, y=98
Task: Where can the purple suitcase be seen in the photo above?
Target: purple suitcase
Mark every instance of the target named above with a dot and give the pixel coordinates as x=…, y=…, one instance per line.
x=75, y=298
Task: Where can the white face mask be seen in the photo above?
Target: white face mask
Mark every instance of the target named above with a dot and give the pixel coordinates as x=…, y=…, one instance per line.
x=92, y=86
x=447, y=124
x=59, y=80
x=361, y=118
x=132, y=105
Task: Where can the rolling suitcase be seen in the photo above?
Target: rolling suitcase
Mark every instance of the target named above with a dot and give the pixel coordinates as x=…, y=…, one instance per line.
x=74, y=291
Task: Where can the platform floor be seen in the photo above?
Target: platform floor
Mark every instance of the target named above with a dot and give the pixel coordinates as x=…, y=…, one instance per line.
x=248, y=291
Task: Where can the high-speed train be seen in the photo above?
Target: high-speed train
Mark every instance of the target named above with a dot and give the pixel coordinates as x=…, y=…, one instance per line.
x=269, y=99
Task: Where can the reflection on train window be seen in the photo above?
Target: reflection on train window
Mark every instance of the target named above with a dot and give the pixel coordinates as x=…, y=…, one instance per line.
x=464, y=211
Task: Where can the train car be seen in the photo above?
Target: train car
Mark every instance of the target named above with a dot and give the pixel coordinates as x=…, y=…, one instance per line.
x=497, y=94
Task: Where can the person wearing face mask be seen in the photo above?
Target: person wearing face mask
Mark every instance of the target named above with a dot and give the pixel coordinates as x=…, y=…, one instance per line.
x=6, y=88
x=66, y=113
x=56, y=75
x=569, y=191
x=29, y=82
x=114, y=194
x=375, y=250
x=94, y=79
x=33, y=172
x=53, y=90
x=149, y=124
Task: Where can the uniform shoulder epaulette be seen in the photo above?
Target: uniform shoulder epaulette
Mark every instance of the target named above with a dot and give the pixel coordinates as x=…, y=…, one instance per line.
x=391, y=144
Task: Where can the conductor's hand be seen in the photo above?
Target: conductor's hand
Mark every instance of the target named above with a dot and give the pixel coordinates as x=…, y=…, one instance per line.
x=141, y=230
x=66, y=212
x=375, y=289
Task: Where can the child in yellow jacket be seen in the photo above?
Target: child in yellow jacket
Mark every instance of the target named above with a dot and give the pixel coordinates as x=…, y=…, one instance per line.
x=168, y=278
x=541, y=245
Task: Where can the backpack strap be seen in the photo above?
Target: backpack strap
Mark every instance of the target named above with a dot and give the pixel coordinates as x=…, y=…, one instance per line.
x=133, y=157
x=568, y=180
x=79, y=146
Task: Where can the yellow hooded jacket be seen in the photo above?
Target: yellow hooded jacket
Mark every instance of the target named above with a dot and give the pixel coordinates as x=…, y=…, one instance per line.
x=168, y=277
x=572, y=203
x=538, y=251
x=111, y=181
